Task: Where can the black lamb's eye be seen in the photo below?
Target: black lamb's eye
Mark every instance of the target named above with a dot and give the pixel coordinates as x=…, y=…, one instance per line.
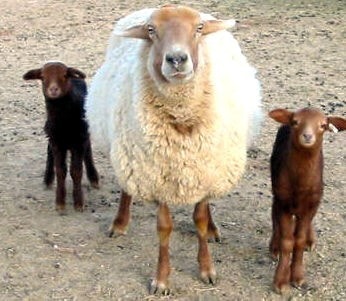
x=200, y=28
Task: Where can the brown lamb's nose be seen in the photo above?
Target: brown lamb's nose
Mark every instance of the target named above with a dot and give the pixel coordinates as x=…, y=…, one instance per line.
x=307, y=137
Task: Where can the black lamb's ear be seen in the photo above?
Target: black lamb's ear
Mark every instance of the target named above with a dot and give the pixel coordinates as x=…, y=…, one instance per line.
x=75, y=73
x=33, y=74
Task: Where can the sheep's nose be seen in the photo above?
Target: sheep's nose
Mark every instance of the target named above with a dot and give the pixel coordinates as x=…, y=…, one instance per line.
x=53, y=90
x=307, y=137
x=176, y=58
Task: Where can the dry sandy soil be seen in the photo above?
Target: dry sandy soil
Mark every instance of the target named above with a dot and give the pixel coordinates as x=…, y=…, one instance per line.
x=298, y=48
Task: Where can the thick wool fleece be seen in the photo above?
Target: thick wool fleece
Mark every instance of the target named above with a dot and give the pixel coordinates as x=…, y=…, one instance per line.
x=135, y=119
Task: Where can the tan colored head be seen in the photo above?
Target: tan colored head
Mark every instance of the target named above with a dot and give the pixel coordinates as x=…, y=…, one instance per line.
x=55, y=77
x=308, y=125
x=175, y=33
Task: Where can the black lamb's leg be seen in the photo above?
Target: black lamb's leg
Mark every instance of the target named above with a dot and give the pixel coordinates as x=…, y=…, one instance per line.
x=49, y=172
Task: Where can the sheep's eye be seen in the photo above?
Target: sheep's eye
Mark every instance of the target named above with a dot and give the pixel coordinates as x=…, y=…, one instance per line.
x=200, y=28
x=294, y=122
x=151, y=30
x=324, y=126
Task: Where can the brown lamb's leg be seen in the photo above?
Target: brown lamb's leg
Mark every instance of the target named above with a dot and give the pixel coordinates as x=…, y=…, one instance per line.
x=159, y=285
x=201, y=218
x=311, y=238
x=303, y=226
x=122, y=218
x=283, y=270
x=274, y=244
x=213, y=230
x=76, y=172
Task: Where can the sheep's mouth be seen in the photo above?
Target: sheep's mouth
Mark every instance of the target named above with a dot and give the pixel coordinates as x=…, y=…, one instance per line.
x=180, y=76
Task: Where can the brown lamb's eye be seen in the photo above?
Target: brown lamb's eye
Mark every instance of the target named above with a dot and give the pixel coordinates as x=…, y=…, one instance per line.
x=294, y=122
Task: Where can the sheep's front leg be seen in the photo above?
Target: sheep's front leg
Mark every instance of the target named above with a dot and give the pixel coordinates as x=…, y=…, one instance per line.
x=76, y=171
x=274, y=244
x=213, y=230
x=283, y=270
x=49, y=172
x=61, y=170
x=201, y=217
x=303, y=228
x=311, y=238
x=159, y=285
x=122, y=218
x=91, y=171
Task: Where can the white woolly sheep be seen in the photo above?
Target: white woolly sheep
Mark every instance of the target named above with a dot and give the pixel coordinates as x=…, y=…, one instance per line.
x=296, y=167
x=175, y=103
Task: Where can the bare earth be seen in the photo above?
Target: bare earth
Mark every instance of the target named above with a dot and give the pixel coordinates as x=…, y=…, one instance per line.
x=298, y=48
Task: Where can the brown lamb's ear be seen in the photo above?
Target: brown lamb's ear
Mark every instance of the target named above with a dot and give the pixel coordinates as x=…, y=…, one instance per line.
x=75, y=73
x=336, y=124
x=33, y=74
x=281, y=115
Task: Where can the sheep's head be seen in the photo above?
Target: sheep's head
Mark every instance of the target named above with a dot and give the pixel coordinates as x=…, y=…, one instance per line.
x=308, y=125
x=55, y=77
x=175, y=33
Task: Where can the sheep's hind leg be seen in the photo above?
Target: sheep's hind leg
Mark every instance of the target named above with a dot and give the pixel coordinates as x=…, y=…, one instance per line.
x=311, y=238
x=213, y=230
x=76, y=172
x=201, y=219
x=91, y=171
x=122, y=218
x=49, y=172
x=159, y=285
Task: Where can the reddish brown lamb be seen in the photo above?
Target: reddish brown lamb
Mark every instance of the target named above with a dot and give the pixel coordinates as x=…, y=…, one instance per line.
x=64, y=90
x=297, y=185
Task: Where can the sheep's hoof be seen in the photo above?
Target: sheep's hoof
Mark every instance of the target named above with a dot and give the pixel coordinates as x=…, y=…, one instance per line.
x=158, y=288
x=48, y=186
x=115, y=232
x=95, y=185
x=297, y=282
x=282, y=289
x=214, y=236
x=311, y=246
x=78, y=207
x=209, y=277
x=60, y=209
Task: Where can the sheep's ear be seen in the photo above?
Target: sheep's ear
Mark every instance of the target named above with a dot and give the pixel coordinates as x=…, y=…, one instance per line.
x=75, y=73
x=281, y=115
x=211, y=26
x=33, y=74
x=336, y=124
x=137, y=32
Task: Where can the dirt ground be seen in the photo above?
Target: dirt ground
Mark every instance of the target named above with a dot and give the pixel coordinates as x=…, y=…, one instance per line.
x=298, y=48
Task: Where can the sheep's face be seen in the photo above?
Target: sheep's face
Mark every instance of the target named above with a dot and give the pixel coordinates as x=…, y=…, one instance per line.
x=55, y=78
x=175, y=34
x=308, y=125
